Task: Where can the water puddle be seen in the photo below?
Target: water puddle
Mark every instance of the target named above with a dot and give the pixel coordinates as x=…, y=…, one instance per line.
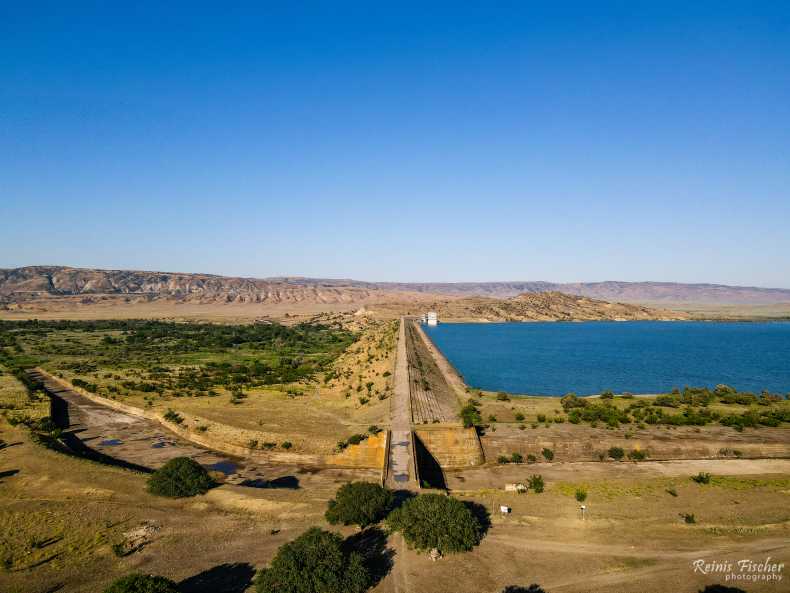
x=225, y=467
x=111, y=442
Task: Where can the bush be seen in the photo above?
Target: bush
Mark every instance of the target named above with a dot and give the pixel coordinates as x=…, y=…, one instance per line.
x=502, y=397
x=359, y=503
x=173, y=416
x=314, y=561
x=180, y=477
x=581, y=495
x=140, y=583
x=536, y=483
x=541, y=417
x=286, y=445
x=531, y=458
x=470, y=415
x=548, y=454
x=435, y=521
x=517, y=458
x=503, y=459
x=616, y=453
x=688, y=518
x=519, y=417
x=607, y=395
x=637, y=455
x=701, y=478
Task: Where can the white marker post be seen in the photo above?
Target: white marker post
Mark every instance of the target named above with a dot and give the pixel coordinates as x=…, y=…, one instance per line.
x=582, y=508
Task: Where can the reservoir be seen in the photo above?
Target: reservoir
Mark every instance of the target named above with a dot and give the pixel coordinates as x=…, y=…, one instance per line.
x=555, y=358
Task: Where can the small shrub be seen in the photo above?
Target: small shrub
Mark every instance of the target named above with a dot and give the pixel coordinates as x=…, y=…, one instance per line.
x=519, y=417
x=470, y=415
x=688, y=518
x=535, y=483
x=581, y=494
x=672, y=492
x=541, y=417
x=607, y=395
x=701, y=478
x=286, y=445
x=637, y=455
x=616, y=453
x=373, y=429
x=140, y=583
x=517, y=458
x=548, y=454
x=252, y=444
x=356, y=439
x=502, y=397
x=531, y=458
x=180, y=477
x=503, y=459
x=173, y=416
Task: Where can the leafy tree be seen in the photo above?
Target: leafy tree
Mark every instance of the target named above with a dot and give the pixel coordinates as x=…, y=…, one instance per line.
x=315, y=562
x=435, y=521
x=359, y=503
x=180, y=477
x=581, y=495
x=140, y=583
x=548, y=454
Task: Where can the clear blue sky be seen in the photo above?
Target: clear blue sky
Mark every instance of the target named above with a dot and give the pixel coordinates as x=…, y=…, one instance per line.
x=451, y=142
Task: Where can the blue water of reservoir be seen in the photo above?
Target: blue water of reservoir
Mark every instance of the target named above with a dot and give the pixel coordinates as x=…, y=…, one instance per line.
x=555, y=358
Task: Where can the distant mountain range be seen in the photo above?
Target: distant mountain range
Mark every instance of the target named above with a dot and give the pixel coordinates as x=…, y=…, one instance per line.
x=19, y=285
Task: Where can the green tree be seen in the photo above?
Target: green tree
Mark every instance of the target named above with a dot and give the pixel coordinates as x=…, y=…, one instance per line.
x=435, y=521
x=140, y=583
x=359, y=503
x=180, y=477
x=314, y=562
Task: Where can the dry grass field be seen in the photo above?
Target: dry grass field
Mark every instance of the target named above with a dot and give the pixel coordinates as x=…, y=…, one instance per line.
x=60, y=515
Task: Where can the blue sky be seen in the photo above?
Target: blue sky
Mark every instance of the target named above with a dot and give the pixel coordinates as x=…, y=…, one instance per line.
x=444, y=142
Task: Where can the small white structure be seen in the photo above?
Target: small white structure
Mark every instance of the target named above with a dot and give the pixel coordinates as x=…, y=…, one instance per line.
x=505, y=510
x=433, y=318
x=518, y=488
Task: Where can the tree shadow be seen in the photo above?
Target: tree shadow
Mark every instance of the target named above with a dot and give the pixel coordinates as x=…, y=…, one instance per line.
x=399, y=497
x=482, y=515
x=223, y=578
x=721, y=589
x=533, y=588
x=286, y=482
x=371, y=543
x=8, y=473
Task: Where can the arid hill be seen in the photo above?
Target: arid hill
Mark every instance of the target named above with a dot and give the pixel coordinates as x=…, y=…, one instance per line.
x=624, y=292
x=545, y=306
x=36, y=283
